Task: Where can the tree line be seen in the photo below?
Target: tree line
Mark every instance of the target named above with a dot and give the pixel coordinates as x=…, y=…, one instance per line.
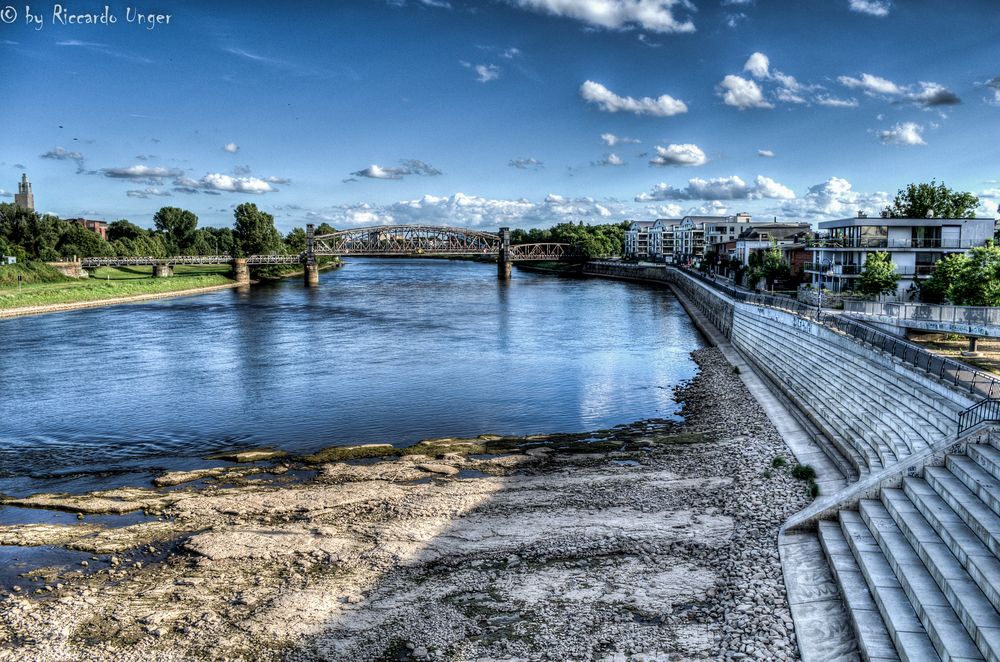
x=28, y=235
x=592, y=240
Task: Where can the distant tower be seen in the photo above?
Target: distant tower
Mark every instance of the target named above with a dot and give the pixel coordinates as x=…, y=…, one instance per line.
x=24, y=199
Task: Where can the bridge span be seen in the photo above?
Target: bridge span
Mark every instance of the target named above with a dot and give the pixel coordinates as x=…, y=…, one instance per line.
x=378, y=241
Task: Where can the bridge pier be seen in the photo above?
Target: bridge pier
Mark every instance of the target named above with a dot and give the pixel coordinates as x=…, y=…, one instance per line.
x=241, y=272
x=503, y=255
x=310, y=269
x=311, y=274
x=162, y=270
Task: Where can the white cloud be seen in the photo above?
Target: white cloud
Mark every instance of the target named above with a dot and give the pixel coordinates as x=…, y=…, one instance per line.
x=611, y=159
x=870, y=7
x=835, y=102
x=4, y=193
x=904, y=133
x=994, y=84
x=742, y=93
x=719, y=188
x=153, y=175
x=758, y=65
x=462, y=210
x=834, y=198
x=487, y=72
x=651, y=15
x=510, y=53
x=934, y=94
x=218, y=182
x=148, y=193
x=611, y=140
x=662, y=106
x=232, y=148
x=679, y=155
x=765, y=187
x=408, y=167
x=62, y=154
x=530, y=163
x=765, y=153
x=871, y=84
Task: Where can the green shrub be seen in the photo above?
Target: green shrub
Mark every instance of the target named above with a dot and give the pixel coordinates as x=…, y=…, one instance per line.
x=767, y=473
x=778, y=462
x=803, y=472
x=812, y=489
x=736, y=370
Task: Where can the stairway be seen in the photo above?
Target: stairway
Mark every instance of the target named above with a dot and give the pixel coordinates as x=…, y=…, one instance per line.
x=919, y=567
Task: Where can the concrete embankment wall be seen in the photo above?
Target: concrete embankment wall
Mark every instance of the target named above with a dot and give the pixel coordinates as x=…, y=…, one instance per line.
x=874, y=410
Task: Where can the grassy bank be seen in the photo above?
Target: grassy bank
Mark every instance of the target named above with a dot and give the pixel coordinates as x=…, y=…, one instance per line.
x=107, y=283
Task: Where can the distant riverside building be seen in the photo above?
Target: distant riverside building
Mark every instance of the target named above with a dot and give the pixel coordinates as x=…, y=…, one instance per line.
x=914, y=244
x=100, y=227
x=762, y=236
x=24, y=198
x=637, y=240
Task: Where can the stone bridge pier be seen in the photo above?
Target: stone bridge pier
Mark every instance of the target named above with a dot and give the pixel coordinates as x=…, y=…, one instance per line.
x=162, y=270
x=503, y=255
x=310, y=268
x=241, y=272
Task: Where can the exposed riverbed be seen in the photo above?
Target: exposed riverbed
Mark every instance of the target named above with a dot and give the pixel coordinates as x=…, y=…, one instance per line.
x=654, y=540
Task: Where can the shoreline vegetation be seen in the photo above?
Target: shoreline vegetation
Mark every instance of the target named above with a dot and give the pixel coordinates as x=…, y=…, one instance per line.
x=658, y=537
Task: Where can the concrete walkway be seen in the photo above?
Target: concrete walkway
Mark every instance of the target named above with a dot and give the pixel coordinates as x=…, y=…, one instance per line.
x=822, y=625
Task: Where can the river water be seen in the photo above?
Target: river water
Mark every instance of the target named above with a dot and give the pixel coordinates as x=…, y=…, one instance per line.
x=384, y=351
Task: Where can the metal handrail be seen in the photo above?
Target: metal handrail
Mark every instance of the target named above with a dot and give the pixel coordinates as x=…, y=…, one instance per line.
x=981, y=412
x=961, y=375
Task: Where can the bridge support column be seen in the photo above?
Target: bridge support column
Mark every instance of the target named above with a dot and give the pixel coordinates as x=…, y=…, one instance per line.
x=241, y=272
x=162, y=270
x=973, y=347
x=310, y=269
x=503, y=255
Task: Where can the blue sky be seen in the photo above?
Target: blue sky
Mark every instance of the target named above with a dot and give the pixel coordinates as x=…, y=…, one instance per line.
x=519, y=112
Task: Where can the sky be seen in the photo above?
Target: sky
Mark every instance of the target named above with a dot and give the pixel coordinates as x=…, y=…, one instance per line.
x=520, y=113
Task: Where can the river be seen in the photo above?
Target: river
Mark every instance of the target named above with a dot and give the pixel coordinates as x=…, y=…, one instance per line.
x=384, y=351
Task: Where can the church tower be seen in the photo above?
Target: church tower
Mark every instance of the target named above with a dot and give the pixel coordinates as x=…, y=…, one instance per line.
x=24, y=199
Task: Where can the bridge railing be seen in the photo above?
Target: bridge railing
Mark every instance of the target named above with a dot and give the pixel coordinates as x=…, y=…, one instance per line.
x=958, y=374
x=923, y=312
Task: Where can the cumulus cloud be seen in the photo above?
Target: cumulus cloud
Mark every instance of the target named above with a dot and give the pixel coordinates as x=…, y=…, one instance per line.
x=719, y=188
x=4, y=193
x=486, y=72
x=611, y=159
x=464, y=210
x=742, y=93
x=151, y=192
x=611, y=139
x=927, y=94
x=530, y=163
x=62, y=154
x=662, y=106
x=651, y=15
x=679, y=155
x=836, y=102
x=153, y=175
x=870, y=84
x=765, y=153
x=232, y=148
x=407, y=167
x=758, y=65
x=870, y=7
x=834, y=198
x=904, y=133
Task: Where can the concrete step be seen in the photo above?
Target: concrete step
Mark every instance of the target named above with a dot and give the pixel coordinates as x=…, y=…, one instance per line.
x=908, y=634
x=973, y=608
x=943, y=626
x=874, y=641
x=985, y=456
x=975, y=558
x=979, y=481
x=979, y=517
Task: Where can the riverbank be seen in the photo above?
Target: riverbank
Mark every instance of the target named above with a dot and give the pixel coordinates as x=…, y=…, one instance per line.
x=654, y=539
x=110, y=286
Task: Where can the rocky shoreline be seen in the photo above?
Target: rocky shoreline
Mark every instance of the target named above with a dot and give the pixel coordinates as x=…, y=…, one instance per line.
x=651, y=541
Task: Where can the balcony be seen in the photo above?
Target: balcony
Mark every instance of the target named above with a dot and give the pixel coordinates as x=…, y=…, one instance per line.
x=884, y=243
x=856, y=269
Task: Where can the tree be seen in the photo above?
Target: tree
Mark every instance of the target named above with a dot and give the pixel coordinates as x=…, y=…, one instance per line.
x=916, y=200
x=123, y=229
x=768, y=264
x=977, y=283
x=879, y=275
x=947, y=271
x=178, y=227
x=295, y=240
x=81, y=242
x=254, y=232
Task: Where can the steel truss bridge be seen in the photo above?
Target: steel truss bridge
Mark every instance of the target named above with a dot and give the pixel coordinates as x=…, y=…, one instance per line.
x=379, y=241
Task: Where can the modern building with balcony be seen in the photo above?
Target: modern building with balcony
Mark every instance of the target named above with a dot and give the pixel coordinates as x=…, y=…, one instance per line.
x=662, y=239
x=761, y=236
x=637, y=240
x=914, y=244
